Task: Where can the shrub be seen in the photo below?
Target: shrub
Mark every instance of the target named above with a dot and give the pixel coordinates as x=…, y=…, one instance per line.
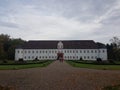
x=4, y=61
x=21, y=60
x=99, y=60
x=111, y=61
x=81, y=58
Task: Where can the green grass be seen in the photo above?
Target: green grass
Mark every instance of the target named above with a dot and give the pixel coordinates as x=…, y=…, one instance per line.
x=25, y=66
x=116, y=87
x=93, y=66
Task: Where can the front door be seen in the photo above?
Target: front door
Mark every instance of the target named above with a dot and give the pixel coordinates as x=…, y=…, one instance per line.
x=60, y=56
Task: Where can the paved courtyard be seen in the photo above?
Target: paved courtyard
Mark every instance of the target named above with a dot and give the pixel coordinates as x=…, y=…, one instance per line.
x=58, y=76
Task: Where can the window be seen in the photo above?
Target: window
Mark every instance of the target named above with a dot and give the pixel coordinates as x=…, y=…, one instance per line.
x=95, y=51
x=84, y=57
x=77, y=57
x=32, y=51
x=65, y=56
x=25, y=51
x=49, y=51
x=76, y=51
x=103, y=51
x=25, y=57
x=43, y=51
x=52, y=51
x=28, y=51
x=73, y=51
x=39, y=56
x=88, y=57
x=92, y=57
x=87, y=51
x=28, y=57
x=84, y=51
x=80, y=51
x=46, y=51
x=36, y=51
x=32, y=57
x=70, y=51
x=67, y=51
x=40, y=51
x=68, y=57
x=21, y=51
x=96, y=57
x=18, y=51
x=91, y=51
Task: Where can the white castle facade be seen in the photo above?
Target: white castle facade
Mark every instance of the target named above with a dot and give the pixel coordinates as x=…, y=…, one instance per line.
x=70, y=49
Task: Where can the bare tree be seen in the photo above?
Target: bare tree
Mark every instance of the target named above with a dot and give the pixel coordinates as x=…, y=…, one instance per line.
x=115, y=41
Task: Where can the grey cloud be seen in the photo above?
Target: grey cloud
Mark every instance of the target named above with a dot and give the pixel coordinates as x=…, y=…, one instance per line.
x=8, y=24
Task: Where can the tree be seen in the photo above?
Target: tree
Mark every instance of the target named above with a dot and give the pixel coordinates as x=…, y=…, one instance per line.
x=8, y=45
x=114, y=49
x=4, y=39
x=13, y=44
x=116, y=42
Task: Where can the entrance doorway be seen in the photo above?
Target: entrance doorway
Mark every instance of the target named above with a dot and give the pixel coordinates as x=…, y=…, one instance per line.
x=60, y=56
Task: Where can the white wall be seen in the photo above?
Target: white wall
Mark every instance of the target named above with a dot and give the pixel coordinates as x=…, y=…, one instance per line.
x=18, y=54
x=69, y=54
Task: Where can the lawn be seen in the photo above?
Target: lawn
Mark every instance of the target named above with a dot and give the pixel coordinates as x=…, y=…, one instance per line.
x=115, y=87
x=29, y=64
x=94, y=66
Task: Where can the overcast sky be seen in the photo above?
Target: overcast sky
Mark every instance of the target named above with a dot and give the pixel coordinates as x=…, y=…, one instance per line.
x=97, y=20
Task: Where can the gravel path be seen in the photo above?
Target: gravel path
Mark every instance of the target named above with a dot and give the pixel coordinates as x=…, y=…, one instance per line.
x=58, y=76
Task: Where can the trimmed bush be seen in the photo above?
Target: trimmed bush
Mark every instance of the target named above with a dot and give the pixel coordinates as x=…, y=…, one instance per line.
x=4, y=61
x=81, y=58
